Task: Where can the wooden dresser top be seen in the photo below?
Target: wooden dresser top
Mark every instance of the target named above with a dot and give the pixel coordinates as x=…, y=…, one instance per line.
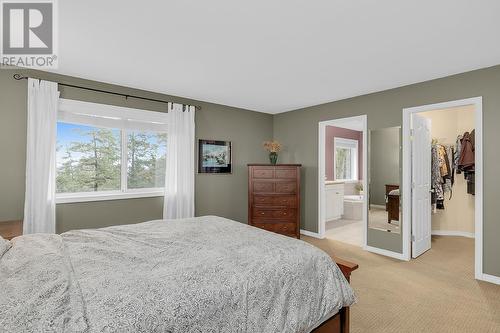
x=11, y=229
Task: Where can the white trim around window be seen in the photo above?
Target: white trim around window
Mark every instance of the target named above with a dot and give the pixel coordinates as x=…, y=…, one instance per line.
x=109, y=116
x=347, y=144
x=62, y=198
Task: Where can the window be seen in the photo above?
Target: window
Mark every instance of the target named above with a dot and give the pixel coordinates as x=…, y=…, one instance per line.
x=106, y=152
x=146, y=159
x=345, y=160
x=88, y=158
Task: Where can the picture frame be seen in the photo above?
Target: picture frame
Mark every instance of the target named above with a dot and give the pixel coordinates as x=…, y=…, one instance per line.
x=214, y=157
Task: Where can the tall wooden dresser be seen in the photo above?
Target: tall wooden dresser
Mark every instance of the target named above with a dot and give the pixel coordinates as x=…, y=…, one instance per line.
x=274, y=198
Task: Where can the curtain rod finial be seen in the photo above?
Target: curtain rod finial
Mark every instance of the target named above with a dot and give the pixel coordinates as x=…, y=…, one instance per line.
x=19, y=76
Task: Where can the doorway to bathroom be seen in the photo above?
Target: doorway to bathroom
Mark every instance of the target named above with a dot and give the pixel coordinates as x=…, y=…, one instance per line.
x=342, y=180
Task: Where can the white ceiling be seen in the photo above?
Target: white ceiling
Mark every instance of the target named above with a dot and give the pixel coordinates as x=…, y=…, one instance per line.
x=275, y=56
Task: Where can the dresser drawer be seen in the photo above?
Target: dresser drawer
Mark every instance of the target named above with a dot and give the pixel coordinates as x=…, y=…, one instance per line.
x=283, y=228
x=286, y=173
x=263, y=173
x=263, y=186
x=273, y=200
x=273, y=213
x=286, y=187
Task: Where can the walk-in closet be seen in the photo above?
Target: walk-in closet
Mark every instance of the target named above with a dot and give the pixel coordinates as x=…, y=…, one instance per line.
x=452, y=171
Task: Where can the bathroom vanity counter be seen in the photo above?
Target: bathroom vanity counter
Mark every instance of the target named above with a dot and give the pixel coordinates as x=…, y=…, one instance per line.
x=333, y=182
x=334, y=200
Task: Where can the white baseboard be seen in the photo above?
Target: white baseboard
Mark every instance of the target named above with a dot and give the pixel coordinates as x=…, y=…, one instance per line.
x=377, y=206
x=452, y=233
x=489, y=278
x=383, y=252
x=311, y=234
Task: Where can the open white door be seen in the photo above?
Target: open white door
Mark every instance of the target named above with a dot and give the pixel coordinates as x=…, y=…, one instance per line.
x=421, y=185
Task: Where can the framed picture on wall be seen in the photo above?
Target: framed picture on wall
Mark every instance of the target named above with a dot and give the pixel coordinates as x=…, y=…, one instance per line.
x=214, y=156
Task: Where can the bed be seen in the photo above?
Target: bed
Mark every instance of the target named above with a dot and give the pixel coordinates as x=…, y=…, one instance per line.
x=205, y=274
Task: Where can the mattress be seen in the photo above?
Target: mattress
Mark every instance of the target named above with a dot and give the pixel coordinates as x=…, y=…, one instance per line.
x=394, y=192
x=205, y=274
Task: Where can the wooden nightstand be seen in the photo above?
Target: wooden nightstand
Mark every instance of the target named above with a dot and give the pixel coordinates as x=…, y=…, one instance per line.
x=11, y=229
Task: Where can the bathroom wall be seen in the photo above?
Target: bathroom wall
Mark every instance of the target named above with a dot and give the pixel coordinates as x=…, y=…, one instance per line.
x=458, y=214
x=333, y=132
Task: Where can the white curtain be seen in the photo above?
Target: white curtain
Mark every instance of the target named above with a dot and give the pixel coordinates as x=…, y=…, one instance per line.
x=39, y=205
x=179, y=181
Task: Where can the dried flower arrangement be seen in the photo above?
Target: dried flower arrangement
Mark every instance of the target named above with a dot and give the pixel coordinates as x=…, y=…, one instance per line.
x=272, y=146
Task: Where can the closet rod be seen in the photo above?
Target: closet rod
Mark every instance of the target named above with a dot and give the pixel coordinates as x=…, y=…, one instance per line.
x=21, y=77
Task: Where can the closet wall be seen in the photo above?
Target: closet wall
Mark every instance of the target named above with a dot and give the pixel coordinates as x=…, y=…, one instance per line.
x=458, y=214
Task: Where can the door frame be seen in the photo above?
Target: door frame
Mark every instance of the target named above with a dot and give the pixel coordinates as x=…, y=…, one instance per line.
x=321, y=173
x=407, y=194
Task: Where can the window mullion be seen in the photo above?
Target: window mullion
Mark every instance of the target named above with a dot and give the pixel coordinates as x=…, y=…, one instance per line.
x=124, y=161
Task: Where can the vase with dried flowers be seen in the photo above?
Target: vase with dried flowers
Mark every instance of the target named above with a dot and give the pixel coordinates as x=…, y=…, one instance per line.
x=273, y=147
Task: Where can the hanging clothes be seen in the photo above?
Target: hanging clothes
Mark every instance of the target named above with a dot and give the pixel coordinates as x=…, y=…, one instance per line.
x=446, y=160
x=449, y=178
x=471, y=183
x=442, y=173
x=437, y=189
x=443, y=167
x=436, y=178
x=458, y=151
x=467, y=159
x=473, y=139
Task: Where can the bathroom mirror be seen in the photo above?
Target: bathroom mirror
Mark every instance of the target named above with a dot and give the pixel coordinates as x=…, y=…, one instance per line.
x=384, y=209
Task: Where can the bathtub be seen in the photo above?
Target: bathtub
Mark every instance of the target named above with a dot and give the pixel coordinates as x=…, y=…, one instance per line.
x=353, y=207
x=353, y=198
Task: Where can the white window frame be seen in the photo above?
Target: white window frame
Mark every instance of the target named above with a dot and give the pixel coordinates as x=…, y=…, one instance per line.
x=116, y=117
x=347, y=144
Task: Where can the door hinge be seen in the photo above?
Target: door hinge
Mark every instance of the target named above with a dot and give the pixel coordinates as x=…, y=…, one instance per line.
x=412, y=238
x=411, y=134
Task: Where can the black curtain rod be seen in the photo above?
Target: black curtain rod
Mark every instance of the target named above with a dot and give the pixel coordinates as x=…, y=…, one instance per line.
x=21, y=77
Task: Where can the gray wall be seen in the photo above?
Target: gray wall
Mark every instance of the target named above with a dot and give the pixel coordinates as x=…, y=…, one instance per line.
x=224, y=195
x=384, y=162
x=384, y=110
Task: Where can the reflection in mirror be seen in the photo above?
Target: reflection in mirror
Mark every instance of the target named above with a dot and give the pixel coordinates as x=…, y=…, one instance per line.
x=384, y=208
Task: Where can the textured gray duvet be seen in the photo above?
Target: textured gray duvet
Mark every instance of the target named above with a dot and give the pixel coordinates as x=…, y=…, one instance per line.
x=205, y=274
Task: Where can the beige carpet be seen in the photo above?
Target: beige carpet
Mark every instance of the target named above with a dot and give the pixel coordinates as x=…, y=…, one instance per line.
x=434, y=293
x=346, y=231
x=377, y=219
